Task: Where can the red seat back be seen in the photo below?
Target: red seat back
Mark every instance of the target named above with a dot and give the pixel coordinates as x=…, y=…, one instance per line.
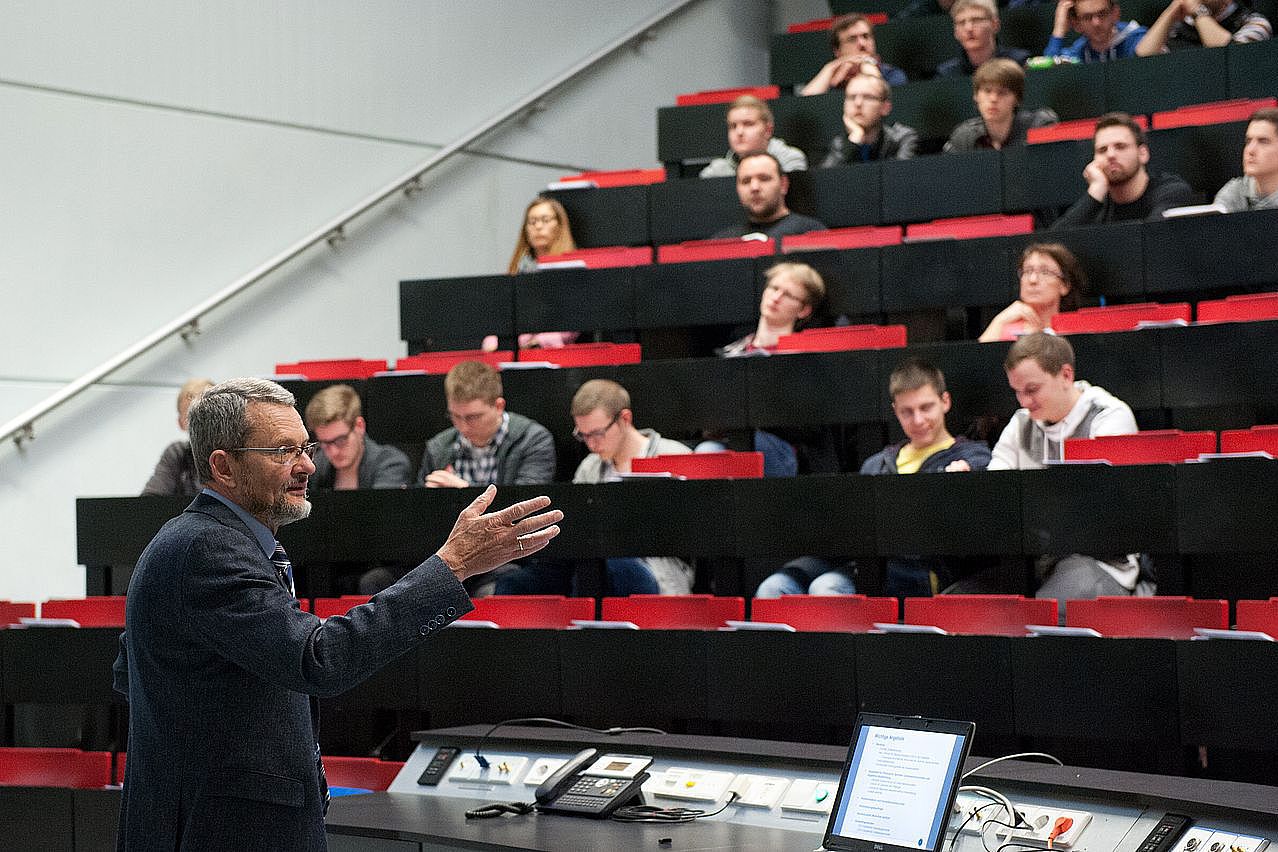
x=1249, y=308
x=442, y=362
x=1081, y=128
x=971, y=227
x=996, y=615
x=724, y=465
x=105, y=611
x=12, y=613
x=620, y=177
x=325, y=607
x=1258, y=615
x=675, y=612
x=546, y=612
x=340, y=368
x=366, y=773
x=1217, y=112
x=1158, y=617
x=695, y=250
x=54, y=767
x=723, y=96
x=866, y=236
x=588, y=354
x=843, y=338
x=822, y=24
x=602, y=258
x=826, y=613
x=1118, y=317
x=1153, y=447
x=1257, y=438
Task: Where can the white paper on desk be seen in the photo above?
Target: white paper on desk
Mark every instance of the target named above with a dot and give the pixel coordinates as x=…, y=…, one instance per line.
x=656, y=474
x=591, y=624
x=26, y=621
x=527, y=365
x=893, y=627
x=777, y=626
x=1193, y=210
x=572, y=184
x=1216, y=633
x=1057, y=630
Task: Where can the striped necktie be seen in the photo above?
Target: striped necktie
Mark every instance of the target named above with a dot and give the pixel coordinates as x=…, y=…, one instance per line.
x=283, y=568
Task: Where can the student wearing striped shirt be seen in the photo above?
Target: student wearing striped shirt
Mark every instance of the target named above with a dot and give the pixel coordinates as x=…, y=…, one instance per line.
x=1204, y=23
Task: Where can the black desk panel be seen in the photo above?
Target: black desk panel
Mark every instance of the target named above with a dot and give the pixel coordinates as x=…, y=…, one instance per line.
x=114, y=530
x=407, y=409
x=948, y=273
x=1153, y=83
x=701, y=293
x=1228, y=506
x=97, y=816
x=1207, y=253
x=1096, y=689
x=810, y=389
x=38, y=819
x=607, y=216
x=59, y=665
x=851, y=279
x=1073, y=91
x=847, y=196
x=1106, y=253
x=402, y=525
x=1253, y=67
x=965, y=183
x=1099, y=510
x=693, y=132
x=1225, y=364
x=688, y=394
x=969, y=516
x=595, y=299
x=654, y=517
x=821, y=515
x=799, y=678
x=1228, y=691
x=476, y=674
x=451, y=308
x=947, y=677
x=915, y=45
x=1046, y=175
x=795, y=58
x=934, y=108
x=693, y=209
x=1128, y=364
x=1205, y=156
x=364, y=717
x=546, y=395
x=626, y=677
x=809, y=122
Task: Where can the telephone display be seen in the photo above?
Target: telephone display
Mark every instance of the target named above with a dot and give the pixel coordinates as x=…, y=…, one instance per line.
x=590, y=785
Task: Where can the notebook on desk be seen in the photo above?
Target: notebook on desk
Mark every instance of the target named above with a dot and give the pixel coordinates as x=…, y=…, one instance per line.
x=899, y=782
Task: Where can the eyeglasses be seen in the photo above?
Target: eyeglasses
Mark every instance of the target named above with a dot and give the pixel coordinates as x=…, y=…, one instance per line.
x=1091, y=16
x=971, y=22
x=595, y=434
x=1040, y=271
x=282, y=455
x=542, y=220
x=338, y=442
x=468, y=419
x=778, y=289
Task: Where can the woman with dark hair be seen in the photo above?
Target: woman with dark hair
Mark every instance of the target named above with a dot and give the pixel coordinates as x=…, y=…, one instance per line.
x=545, y=230
x=1051, y=278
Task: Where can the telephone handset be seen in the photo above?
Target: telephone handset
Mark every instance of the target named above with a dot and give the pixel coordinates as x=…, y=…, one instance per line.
x=594, y=786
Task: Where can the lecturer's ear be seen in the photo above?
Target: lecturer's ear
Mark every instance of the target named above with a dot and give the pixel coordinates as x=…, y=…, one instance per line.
x=224, y=470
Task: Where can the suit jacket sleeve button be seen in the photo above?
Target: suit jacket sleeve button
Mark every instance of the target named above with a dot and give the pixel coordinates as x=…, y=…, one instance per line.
x=452, y=611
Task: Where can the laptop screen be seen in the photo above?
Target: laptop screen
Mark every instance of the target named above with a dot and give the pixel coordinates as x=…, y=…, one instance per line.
x=899, y=783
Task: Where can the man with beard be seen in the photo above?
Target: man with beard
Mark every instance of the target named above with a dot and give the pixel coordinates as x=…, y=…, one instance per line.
x=221, y=665
x=761, y=187
x=1119, y=189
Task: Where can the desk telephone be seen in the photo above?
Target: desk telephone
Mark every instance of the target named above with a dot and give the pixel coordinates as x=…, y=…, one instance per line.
x=593, y=786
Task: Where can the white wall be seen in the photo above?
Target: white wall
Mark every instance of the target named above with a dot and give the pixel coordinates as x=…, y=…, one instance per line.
x=153, y=152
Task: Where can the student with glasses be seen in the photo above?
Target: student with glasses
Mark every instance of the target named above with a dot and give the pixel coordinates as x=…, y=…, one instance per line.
x=1050, y=281
x=976, y=27
x=349, y=458
x=1102, y=36
x=867, y=134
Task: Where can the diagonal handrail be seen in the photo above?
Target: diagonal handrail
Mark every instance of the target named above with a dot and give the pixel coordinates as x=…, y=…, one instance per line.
x=22, y=427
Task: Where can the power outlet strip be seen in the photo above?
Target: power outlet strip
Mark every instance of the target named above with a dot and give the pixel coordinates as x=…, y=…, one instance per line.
x=1037, y=825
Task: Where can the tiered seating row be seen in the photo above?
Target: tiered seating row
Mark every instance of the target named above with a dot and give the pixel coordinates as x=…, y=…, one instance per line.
x=1222, y=507
x=1015, y=180
x=1147, y=261
x=935, y=107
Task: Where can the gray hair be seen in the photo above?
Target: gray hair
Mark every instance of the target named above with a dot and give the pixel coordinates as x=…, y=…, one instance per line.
x=219, y=417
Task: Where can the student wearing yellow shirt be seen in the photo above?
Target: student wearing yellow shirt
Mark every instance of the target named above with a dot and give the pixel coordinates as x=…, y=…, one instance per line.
x=920, y=403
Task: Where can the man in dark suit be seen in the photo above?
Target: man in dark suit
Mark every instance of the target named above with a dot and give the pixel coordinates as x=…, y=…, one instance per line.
x=221, y=665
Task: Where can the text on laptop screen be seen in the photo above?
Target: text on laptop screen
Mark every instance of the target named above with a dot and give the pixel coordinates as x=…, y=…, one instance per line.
x=898, y=784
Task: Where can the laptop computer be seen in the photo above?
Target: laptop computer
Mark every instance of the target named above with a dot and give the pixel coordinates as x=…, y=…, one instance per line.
x=899, y=782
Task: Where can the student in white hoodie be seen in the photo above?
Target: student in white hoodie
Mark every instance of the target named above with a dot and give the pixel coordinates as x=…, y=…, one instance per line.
x=1056, y=406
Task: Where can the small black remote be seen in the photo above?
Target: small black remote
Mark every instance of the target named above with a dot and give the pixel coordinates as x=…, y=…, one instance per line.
x=1164, y=835
x=438, y=765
